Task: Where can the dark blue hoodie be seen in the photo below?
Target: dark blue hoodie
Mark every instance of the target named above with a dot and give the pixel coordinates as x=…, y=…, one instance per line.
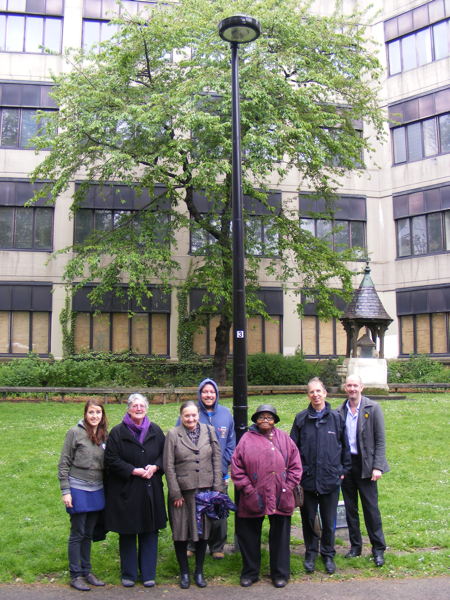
x=222, y=420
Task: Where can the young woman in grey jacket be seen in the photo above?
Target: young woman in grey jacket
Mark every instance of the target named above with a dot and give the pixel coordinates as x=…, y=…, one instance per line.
x=80, y=473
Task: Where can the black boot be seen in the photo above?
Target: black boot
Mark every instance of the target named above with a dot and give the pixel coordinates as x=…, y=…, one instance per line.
x=185, y=581
x=181, y=554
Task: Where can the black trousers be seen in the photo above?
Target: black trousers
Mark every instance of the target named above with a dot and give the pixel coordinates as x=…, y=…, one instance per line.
x=367, y=489
x=248, y=533
x=327, y=504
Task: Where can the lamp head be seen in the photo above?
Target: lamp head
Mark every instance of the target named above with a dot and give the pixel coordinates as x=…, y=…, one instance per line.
x=239, y=29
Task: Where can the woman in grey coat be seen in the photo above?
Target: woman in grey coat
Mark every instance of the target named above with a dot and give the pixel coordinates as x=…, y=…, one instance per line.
x=192, y=463
x=80, y=473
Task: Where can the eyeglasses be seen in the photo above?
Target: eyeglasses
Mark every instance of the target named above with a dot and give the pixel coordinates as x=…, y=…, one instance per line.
x=265, y=418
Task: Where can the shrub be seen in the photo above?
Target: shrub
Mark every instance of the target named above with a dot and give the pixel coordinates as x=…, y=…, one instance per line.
x=90, y=370
x=276, y=369
x=30, y=371
x=327, y=371
x=418, y=369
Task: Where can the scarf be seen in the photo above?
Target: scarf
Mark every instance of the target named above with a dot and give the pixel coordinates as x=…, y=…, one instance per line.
x=138, y=431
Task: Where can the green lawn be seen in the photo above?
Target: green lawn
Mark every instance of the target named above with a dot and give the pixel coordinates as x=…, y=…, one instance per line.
x=414, y=496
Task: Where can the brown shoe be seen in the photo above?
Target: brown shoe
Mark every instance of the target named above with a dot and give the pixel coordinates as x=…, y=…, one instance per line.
x=218, y=555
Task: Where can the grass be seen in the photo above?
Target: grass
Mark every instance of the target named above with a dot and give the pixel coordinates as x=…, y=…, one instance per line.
x=414, y=496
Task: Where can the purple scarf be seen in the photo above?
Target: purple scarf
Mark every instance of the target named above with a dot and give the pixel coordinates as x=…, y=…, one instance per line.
x=139, y=431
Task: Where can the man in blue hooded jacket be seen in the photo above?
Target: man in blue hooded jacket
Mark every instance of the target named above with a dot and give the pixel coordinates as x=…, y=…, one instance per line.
x=220, y=417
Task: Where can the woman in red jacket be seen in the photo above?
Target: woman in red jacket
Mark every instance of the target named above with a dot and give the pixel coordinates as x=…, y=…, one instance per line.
x=265, y=467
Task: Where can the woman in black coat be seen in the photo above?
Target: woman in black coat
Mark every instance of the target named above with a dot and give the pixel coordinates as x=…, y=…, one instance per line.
x=134, y=491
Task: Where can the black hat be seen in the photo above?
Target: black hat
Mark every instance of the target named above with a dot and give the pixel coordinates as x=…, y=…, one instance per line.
x=265, y=408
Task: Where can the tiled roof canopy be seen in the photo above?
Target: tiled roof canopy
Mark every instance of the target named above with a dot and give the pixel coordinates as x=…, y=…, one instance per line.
x=365, y=304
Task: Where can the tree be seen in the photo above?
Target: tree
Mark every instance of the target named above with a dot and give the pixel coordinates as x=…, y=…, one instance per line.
x=152, y=106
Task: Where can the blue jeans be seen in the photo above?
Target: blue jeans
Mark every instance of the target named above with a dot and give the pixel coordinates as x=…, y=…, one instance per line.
x=146, y=556
x=80, y=539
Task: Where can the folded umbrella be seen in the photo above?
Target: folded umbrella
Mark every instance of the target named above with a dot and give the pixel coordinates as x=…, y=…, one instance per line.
x=214, y=505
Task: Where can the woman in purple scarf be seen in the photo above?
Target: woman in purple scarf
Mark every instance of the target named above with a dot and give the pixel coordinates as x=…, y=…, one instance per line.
x=135, y=506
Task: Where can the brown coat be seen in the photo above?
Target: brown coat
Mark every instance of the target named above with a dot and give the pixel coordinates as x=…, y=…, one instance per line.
x=188, y=468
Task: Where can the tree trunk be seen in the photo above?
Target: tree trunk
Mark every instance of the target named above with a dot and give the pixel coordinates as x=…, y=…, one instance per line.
x=222, y=350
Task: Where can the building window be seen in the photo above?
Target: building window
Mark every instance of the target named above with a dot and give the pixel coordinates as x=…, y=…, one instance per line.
x=24, y=228
x=421, y=139
x=322, y=339
x=25, y=316
x=110, y=328
x=263, y=335
x=419, y=48
x=105, y=9
x=347, y=228
x=424, y=320
x=420, y=127
x=422, y=224
x=18, y=126
x=97, y=27
x=30, y=33
x=423, y=234
x=341, y=235
x=19, y=104
x=43, y=7
x=261, y=237
x=95, y=32
x=418, y=36
x=106, y=208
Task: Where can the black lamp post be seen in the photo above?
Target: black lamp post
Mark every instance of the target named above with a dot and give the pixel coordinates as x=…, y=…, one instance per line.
x=236, y=30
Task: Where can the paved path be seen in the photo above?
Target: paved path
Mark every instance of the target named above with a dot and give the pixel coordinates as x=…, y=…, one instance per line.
x=432, y=588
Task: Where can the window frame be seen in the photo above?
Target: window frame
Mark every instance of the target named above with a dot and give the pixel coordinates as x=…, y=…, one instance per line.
x=274, y=304
x=445, y=243
x=158, y=304
x=253, y=209
x=35, y=227
x=421, y=154
x=25, y=29
x=30, y=298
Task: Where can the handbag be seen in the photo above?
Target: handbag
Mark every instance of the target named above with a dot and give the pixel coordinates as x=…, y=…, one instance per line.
x=297, y=491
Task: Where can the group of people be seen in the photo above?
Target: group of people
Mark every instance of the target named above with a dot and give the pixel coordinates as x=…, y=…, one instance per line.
x=116, y=478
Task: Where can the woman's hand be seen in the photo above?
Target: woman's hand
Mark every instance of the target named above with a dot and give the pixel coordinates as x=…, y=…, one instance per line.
x=67, y=500
x=178, y=503
x=150, y=470
x=139, y=472
x=145, y=472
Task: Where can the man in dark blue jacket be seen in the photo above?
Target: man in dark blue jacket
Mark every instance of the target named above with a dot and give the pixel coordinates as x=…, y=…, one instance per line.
x=319, y=433
x=213, y=413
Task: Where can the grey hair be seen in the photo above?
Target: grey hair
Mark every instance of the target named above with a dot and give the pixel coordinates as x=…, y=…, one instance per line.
x=315, y=380
x=137, y=397
x=186, y=404
x=354, y=376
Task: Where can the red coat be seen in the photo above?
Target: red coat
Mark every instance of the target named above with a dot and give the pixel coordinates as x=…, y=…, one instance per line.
x=265, y=471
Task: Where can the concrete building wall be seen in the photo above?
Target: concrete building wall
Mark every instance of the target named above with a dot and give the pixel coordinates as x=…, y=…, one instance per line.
x=379, y=182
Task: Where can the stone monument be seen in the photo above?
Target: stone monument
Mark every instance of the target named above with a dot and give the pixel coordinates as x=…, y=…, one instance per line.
x=365, y=355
